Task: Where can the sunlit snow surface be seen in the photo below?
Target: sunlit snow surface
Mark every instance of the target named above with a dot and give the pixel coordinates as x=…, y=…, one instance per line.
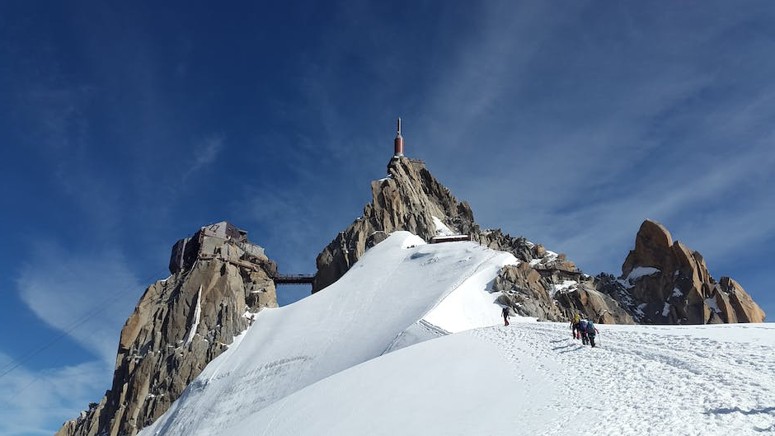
x=441, y=228
x=533, y=379
x=299, y=370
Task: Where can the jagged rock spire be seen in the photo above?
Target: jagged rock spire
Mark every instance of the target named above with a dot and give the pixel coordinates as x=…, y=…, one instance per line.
x=408, y=199
x=669, y=283
x=179, y=325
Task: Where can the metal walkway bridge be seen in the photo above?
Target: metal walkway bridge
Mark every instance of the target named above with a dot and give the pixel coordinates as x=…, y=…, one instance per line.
x=294, y=279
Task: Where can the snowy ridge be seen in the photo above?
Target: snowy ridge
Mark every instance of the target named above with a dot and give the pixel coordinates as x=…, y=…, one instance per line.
x=388, y=349
x=380, y=304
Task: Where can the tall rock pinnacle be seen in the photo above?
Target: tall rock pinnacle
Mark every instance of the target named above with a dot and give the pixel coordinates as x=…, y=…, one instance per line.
x=219, y=280
x=665, y=282
x=409, y=198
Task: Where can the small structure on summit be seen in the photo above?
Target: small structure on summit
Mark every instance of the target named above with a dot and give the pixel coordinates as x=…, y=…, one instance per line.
x=398, y=143
x=223, y=241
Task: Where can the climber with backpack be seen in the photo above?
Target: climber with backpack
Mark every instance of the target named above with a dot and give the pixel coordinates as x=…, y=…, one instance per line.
x=582, y=329
x=574, y=325
x=505, y=313
x=591, y=333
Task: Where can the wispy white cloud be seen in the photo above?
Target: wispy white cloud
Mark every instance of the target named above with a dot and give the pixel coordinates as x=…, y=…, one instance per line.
x=38, y=402
x=205, y=152
x=542, y=144
x=86, y=296
x=490, y=65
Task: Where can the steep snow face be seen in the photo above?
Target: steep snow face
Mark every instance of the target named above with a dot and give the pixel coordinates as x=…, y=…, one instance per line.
x=388, y=300
x=441, y=228
x=534, y=379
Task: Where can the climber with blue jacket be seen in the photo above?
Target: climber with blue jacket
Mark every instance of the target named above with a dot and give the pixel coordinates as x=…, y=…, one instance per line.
x=591, y=332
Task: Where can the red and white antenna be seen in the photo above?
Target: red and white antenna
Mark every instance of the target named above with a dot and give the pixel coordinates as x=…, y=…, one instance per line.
x=398, y=143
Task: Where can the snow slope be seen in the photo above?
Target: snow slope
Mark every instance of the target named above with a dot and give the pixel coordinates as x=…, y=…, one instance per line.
x=378, y=306
x=533, y=379
x=318, y=367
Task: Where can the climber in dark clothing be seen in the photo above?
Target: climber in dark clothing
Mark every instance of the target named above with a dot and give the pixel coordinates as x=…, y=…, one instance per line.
x=582, y=329
x=505, y=313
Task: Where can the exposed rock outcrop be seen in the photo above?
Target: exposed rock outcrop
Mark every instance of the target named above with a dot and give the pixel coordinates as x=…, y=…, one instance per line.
x=665, y=282
x=411, y=199
x=219, y=280
x=527, y=292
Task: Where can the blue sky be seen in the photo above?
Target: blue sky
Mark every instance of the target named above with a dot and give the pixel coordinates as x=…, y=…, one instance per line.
x=125, y=127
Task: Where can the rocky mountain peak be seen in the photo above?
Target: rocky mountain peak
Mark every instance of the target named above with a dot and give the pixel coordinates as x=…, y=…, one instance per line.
x=662, y=282
x=665, y=282
x=219, y=280
x=545, y=284
x=652, y=245
x=409, y=198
